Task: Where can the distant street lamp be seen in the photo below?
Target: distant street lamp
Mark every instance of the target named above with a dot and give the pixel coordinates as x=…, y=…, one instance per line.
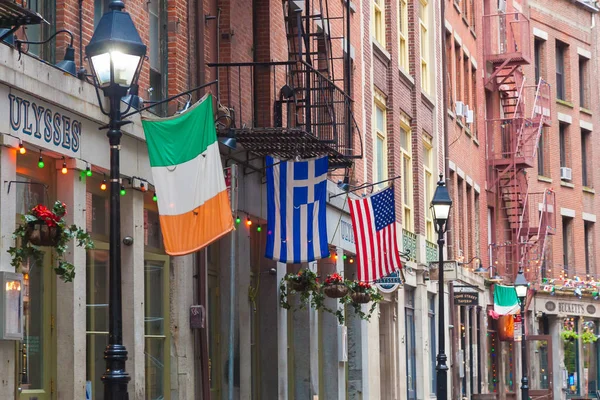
x=440, y=207
x=521, y=286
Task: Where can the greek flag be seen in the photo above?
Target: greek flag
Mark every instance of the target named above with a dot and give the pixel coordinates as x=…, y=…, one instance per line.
x=296, y=210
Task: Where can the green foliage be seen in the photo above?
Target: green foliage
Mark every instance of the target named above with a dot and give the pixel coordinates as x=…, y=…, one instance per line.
x=306, y=284
x=24, y=251
x=568, y=335
x=588, y=337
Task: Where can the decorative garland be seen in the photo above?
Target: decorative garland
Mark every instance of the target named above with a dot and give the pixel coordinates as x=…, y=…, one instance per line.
x=306, y=284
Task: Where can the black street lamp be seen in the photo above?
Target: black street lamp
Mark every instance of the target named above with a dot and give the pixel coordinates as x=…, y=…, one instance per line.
x=116, y=53
x=440, y=206
x=521, y=286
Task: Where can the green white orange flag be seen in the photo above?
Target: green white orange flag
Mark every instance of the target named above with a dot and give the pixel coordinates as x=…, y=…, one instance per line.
x=505, y=300
x=193, y=204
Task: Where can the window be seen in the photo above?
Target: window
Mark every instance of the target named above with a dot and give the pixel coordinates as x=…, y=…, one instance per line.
x=585, y=158
x=588, y=227
x=560, y=71
x=380, y=143
x=156, y=326
x=429, y=188
x=158, y=52
x=379, y=21
x=583, y=82
x=450, y=81
x=432, y=341
x=403, y=34
x=465, y=9
x=424, y=24
x=100, y=7
x=407, y=181
x=473, y=105
x=41, y=32
x=411, y=351
x=564, y=145
x=466, y=75
x=567, y=244
x=472, y=18
x=541, y=154
x=537, y=50
x=458, y=69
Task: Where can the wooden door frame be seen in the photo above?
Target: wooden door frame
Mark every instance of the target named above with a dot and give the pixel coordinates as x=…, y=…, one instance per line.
x=543, y=393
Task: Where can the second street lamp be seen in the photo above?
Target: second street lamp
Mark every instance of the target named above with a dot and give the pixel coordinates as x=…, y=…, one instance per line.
x=440, y=207
x=521, y=286
x=116, y=53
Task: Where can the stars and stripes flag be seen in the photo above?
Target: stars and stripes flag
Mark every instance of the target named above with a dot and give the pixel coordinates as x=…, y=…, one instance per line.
x=296, y=210
x=374, y=224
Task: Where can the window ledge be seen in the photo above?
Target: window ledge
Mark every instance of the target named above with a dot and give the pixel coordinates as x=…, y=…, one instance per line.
x=588, y=189
x=476, y=141
x=567, y=184
x=473, y=33
x=585, y=110
x=379, y=50
x=406, y=76
x=468, y=132
x=459, y=122
x=428, y=100
x=565, y=103
x=543, y=178
x=465, y=21
x=451, y=114
x=456, y=7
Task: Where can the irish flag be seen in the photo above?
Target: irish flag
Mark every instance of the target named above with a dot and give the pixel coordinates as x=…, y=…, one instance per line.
x=186, y=166
x=505, y=300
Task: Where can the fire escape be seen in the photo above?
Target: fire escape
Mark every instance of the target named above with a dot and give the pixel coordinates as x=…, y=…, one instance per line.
x=299, y=107
x=524, y=218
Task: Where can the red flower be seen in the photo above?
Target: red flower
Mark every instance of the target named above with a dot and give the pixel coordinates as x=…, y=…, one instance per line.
x=44, y=214
x=334, y=279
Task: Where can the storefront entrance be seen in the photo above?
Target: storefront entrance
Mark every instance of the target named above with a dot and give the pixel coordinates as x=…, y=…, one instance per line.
x=539, y=349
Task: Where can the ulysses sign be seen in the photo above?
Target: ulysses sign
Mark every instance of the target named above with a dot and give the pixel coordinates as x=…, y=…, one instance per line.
x=36, y=119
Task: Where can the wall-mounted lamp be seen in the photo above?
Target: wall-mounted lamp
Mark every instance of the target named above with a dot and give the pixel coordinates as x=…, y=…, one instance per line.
x=68, y=62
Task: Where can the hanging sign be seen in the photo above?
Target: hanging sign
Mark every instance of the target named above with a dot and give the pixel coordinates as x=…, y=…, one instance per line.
x=466, y=298
x=390, y=283
x=518, y=322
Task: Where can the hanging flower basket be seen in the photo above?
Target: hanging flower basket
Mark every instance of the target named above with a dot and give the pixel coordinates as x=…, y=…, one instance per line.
x=40, y=234
x=306, y=285
x=43, y=227
x=360, y=298
x=334, y=286
x=298, y=286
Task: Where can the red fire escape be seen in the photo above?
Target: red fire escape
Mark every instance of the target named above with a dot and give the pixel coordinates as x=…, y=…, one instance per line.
x=514, y=126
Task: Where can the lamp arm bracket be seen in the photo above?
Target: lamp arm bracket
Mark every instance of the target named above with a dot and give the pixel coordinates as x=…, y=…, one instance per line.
x=364, y=186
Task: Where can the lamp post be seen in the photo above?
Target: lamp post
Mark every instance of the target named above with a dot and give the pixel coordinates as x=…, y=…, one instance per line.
x=116, y=53
x=440, y=206
x=521, y=286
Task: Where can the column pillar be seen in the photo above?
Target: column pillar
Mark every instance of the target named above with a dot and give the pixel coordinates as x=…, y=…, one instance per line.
x=244, y=314
x=8, y=172
x=70, y=317
x=132, y=278
x=300, y=334
x=282, y=341
x=182, y=338
x=558, y=356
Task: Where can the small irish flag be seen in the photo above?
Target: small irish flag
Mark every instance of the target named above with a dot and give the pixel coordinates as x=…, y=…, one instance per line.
x=186, y=166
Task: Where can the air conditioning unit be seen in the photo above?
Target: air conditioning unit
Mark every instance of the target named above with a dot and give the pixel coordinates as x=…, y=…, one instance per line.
x=459, y=109
x=502, y=6
x=565, y=174
x=470, y=117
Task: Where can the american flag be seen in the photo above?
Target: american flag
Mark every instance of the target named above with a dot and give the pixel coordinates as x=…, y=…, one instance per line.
x=374, y=224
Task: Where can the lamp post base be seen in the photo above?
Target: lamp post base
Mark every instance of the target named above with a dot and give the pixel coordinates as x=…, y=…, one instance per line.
x=115, y=378
x=442, y=377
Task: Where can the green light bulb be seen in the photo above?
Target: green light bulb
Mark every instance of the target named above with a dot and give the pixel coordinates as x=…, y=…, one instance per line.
x=345, y=256
x=88, y=171
x=238, y=220
x=154, y=197
x=123, y=190
x=258, y=228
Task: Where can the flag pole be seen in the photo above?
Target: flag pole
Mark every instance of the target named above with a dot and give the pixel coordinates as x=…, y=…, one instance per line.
x=232, y=291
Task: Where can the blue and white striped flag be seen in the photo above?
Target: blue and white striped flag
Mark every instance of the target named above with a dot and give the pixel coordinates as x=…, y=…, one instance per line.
x=296, y=210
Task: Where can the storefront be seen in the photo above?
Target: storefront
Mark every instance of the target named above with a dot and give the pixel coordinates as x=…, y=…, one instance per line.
x=66, y=324
x=568, y=363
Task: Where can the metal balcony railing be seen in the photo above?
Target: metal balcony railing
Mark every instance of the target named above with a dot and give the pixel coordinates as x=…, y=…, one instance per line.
x=287, y=109
x=507, y=38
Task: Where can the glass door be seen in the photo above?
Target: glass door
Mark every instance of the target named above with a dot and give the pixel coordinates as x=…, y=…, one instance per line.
x=35, y=353
x=539, y=351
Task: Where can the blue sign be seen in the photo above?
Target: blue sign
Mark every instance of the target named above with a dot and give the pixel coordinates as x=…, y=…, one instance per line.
x=389, y=283
x=33, y=119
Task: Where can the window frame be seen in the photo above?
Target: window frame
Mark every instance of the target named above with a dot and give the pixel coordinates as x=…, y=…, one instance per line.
x=424, y=45
x=403, y=34
x=407, y=177
x=428, y=167
x=583, y=67
x=561, y=89
x=379, y=103
x=585, y=158
x=379, y=22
